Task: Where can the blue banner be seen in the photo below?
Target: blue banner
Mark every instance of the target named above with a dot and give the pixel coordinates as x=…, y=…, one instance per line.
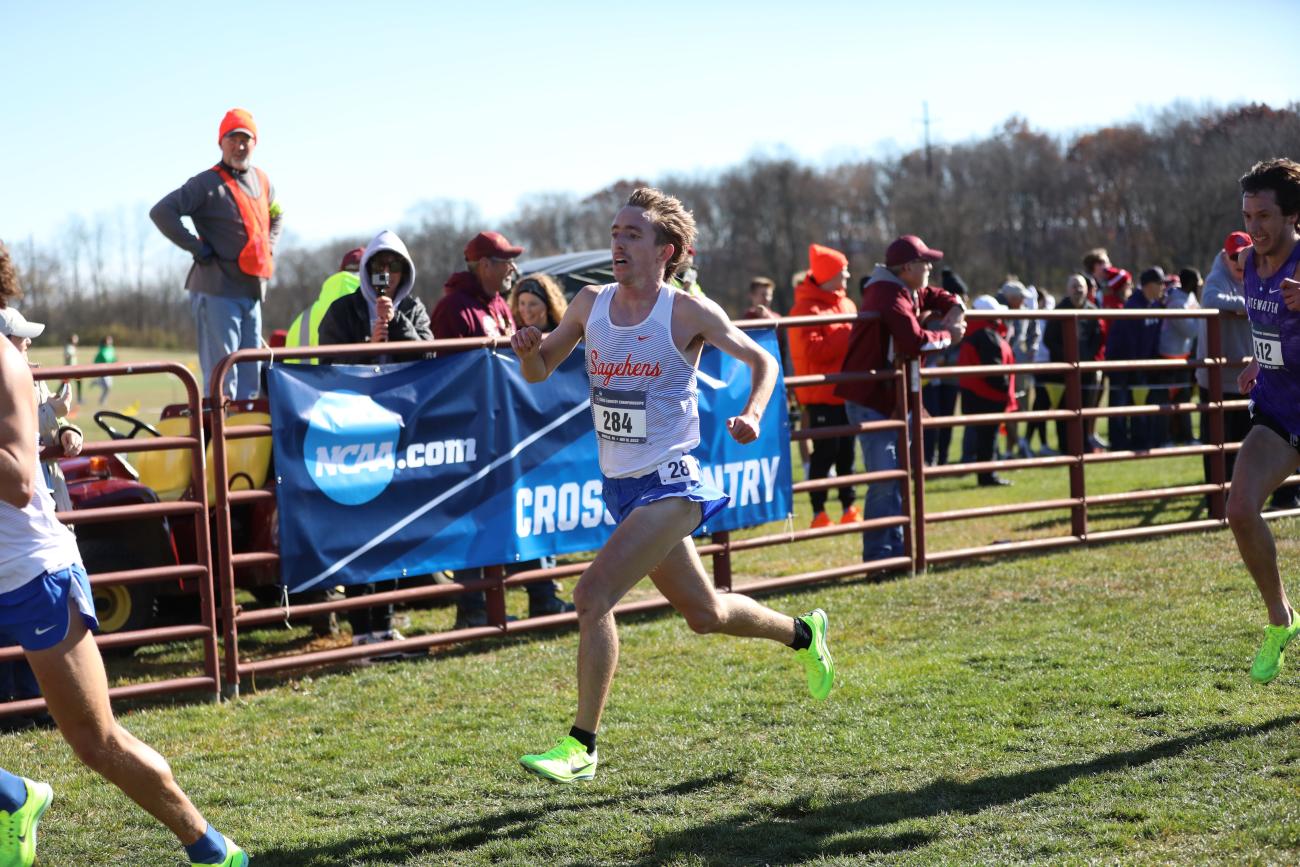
x=398, y=470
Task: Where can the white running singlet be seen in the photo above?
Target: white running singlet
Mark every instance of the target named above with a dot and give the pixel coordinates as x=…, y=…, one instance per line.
x=643, y=399
x=32, y=540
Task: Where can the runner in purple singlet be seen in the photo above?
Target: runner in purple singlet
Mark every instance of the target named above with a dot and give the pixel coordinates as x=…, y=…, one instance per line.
x=1270, y=206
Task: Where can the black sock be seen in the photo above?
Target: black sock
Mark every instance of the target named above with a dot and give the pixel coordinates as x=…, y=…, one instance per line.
x=802, y=635
x=584, y=737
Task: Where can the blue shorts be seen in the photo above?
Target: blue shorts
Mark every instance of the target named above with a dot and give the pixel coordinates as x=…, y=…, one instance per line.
x=623, y=495
x=36, y=614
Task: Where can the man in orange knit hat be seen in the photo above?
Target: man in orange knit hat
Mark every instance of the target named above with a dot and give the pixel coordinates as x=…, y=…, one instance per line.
x=238, y=221
x=820, y=349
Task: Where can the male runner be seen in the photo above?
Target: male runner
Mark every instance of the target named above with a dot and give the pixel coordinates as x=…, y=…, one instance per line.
x=1270, y=206
x=643, y=340
x=45, y=605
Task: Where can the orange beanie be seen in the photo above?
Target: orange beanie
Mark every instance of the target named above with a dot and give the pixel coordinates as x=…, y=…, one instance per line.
x=237, y=120
x=825, y=263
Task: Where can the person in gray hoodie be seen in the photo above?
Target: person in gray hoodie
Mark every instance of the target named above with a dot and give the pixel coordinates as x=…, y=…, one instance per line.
x=1224, y=291
x=383, y=310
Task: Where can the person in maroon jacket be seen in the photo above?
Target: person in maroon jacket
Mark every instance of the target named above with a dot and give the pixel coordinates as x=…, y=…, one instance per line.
x=474, y=300
x=474, y=304
x=985, y=344
x=899, y=291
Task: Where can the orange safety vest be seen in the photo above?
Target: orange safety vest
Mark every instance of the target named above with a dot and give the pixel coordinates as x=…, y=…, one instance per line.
x=255, y=258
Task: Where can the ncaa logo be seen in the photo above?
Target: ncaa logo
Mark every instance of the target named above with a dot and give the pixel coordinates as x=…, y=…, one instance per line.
x=350, y=444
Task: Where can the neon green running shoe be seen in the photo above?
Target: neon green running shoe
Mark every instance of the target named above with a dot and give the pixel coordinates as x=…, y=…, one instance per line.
x=565, y=762
x=235, y=857
x=1268, y=662
x=816, y=658
x=18, y=829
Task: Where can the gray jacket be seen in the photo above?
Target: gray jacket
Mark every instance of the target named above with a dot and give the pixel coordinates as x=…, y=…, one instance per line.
x=207, y=201
x=1176, y=335
x=1222, y=292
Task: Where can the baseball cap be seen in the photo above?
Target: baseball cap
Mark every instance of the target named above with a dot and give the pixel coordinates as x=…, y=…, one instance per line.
x=987, y=302
x=14, y=324
x=237, y=120
x=909, y=248
x=1152, y=275
x=1236, y=242
x=490, y=245
x=352, y=259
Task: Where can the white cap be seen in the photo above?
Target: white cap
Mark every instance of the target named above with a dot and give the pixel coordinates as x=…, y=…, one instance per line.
x=988, y=302
x=14, y=324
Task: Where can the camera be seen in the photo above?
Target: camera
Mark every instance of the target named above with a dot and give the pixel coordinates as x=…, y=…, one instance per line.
x=380, y=283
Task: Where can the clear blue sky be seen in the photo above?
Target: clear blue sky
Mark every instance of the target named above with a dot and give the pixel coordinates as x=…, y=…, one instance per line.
x=366, y=109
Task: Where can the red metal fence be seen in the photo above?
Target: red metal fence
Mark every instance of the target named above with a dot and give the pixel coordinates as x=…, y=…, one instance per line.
x=1074, y=460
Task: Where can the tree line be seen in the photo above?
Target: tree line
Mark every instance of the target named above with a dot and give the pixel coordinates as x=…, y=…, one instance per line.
x=1158, y=191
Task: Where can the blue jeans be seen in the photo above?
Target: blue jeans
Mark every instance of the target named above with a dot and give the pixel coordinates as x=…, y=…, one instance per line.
x=884, y=499
x=225, y=325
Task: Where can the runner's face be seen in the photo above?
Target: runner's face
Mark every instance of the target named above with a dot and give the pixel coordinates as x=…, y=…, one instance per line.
x=237, y=150
x=1268, y=227
x=531, y=310
x=637, y=258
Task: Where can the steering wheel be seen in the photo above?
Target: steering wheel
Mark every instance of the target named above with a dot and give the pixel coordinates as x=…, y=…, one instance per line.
x=104, y=415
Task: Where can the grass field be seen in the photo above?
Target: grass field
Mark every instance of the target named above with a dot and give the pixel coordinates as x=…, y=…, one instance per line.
x=1092, y=706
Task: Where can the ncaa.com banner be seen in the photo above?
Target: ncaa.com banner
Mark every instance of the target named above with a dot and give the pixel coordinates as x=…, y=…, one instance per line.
x=405, y=469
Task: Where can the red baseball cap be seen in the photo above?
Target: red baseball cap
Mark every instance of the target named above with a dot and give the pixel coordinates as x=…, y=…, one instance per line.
x=352, y=259
x=909, y=248
x=237, y=120
x=1236, y=242
x=490, y=245
x=1116, y=276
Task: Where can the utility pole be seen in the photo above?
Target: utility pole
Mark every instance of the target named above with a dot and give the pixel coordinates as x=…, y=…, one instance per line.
x=925, y=119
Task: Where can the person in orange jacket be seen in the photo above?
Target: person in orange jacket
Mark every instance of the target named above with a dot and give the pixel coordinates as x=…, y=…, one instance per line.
x=821, y=349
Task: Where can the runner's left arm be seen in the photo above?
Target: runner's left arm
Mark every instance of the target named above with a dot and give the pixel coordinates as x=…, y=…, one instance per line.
x=714, y=326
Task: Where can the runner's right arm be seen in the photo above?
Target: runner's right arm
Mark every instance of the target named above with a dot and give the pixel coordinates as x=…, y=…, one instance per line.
x=17, y=430
x=538, y=354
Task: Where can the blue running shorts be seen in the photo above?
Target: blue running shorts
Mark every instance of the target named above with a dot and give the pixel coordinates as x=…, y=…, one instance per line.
x=623, y=495
x=36, y=614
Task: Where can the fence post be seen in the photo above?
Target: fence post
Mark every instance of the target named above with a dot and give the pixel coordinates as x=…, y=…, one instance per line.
x=722, y=561
x=912, y=450
x=1076, y=445
x=1218, y=459
x=221, y=513
x=496, y=595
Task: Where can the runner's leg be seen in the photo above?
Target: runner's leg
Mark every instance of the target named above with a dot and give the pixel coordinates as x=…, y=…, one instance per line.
x=72, y=678
x=1264, y=461
x=682, y=580
x=639, y=543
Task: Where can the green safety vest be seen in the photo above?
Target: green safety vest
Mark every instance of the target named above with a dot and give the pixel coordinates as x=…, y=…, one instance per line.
x=305, y=330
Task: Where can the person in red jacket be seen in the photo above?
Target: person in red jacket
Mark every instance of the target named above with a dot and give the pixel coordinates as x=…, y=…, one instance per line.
x=820, y=349
x=899, y=291
x=985, y=344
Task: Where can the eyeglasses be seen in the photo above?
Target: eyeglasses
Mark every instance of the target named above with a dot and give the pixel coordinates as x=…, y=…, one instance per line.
x=389, y=264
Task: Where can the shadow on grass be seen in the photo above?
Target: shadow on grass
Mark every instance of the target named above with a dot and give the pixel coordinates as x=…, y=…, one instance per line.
x=458, y=836
x=798, y=830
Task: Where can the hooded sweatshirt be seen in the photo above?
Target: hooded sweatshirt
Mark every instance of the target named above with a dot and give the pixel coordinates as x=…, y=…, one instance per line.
x=819, y=348
x=466, y=310
x=985, y=344
x=874, y=344
x=1223, y=292
x=351, y=319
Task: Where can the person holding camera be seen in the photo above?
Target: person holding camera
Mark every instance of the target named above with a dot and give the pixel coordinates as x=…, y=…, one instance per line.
x=383, y=310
